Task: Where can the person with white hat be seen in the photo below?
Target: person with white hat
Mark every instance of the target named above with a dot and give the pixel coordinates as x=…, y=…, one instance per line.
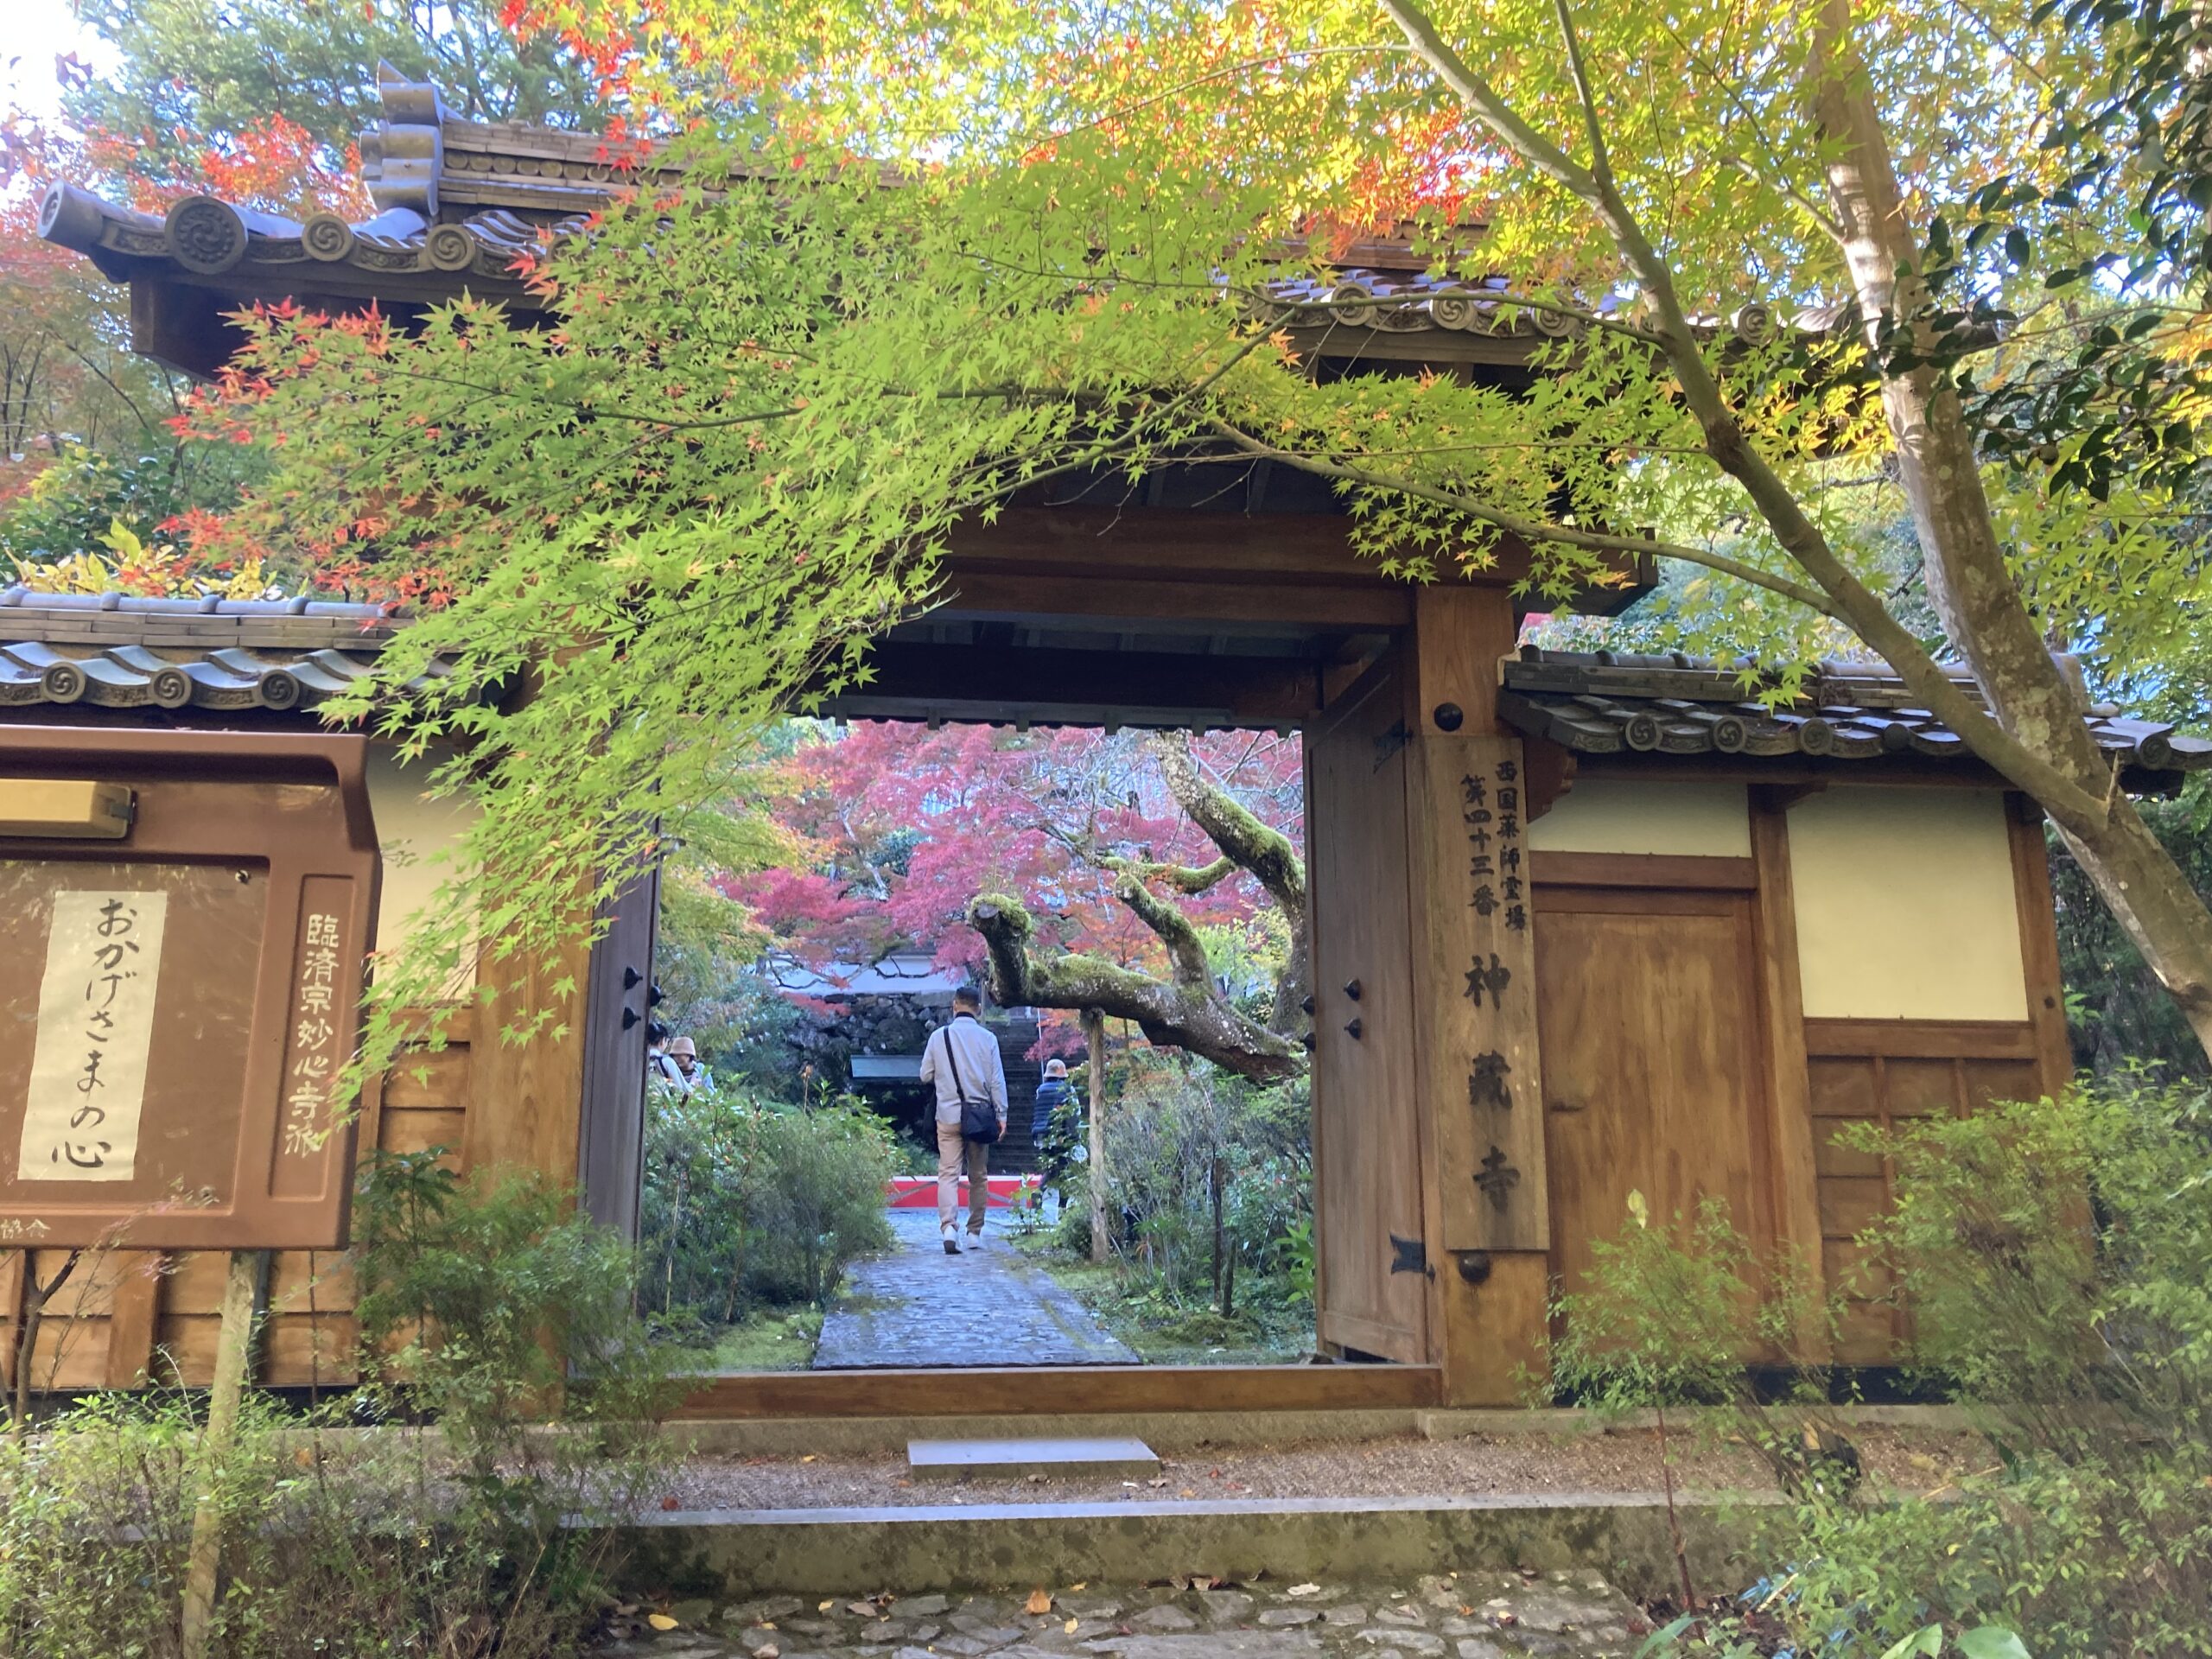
x=678, y=1069
x=1056, y=1127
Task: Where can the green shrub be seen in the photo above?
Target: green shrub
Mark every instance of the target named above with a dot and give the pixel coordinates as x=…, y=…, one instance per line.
x=487, y=1303
x=2056, y=1260
x=484, y=1308
x=1209, y=1179
x=750, y=1204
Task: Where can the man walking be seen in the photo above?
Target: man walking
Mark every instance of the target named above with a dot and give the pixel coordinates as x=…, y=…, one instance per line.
x=961, y=1059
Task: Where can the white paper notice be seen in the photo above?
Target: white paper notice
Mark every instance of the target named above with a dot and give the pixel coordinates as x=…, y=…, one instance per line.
x=95, y=1023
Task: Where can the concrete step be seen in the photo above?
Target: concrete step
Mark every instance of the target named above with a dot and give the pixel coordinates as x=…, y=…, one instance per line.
x=1122, y=1456
x=944, y=1547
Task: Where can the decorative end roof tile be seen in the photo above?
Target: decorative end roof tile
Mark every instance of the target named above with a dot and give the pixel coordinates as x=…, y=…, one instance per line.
x=1611, y=703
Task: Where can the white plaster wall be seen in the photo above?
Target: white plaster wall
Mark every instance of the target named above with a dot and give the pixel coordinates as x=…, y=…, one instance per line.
x=411, y=829
x=1618, y=815
x=1905, y=906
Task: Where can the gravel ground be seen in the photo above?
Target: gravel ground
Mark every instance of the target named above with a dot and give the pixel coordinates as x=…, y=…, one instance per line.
x=1613, y=1461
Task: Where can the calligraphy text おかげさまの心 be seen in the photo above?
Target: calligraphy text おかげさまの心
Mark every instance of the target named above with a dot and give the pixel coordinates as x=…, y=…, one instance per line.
x=95, y=1025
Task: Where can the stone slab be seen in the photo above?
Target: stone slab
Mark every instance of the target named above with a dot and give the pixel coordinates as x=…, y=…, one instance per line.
x=939, y=1547
x=1118, y=1457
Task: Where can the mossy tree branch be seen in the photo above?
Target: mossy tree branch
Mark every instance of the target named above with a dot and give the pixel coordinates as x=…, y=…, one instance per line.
x=1182, y=1012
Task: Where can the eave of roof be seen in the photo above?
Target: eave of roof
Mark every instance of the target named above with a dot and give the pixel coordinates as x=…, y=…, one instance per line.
x=114, y=651
x=1611, y=703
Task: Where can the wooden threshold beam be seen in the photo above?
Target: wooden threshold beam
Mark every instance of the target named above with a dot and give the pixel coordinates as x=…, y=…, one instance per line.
x=1041, y=1391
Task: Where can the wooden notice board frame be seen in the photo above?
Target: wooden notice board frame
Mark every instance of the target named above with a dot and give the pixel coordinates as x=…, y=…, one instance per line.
x=258, y=853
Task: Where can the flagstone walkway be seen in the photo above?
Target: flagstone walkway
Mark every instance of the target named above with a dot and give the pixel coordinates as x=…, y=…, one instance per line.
x=1471, y=1616
x=915, y=1306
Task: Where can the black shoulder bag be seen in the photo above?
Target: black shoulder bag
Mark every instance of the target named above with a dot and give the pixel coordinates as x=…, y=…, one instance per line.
x=979, y=1119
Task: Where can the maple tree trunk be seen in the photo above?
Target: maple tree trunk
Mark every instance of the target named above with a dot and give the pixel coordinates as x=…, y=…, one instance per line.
x=1185, y=1011
x=1973, y=594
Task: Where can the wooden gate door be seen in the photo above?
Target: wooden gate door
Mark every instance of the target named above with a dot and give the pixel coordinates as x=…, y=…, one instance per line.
x=1653, y=1063
x=1371, y=1293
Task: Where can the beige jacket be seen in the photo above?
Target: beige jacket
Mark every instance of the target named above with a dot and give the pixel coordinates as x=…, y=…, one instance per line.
x=981, y=1069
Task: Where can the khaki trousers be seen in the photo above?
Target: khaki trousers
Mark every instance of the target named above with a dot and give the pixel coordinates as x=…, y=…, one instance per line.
x=953, y=1150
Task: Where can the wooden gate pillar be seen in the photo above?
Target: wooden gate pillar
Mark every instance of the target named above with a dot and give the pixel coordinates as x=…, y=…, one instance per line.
x=1474, y=1014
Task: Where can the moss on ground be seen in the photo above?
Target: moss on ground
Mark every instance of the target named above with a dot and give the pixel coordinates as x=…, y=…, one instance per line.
x=1162, y=1334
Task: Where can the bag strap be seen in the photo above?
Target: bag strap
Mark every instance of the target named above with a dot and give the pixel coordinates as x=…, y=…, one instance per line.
x=959, y=1089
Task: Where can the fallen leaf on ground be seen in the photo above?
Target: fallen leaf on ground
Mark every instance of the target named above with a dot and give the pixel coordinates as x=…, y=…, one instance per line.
x=767, y=1650
x=1187, y=1492
x=809, y=1458
x=1069, y=1628
x=670, y=1503
x=661, y=1621
x=1041, y=1601
x=823, y=1606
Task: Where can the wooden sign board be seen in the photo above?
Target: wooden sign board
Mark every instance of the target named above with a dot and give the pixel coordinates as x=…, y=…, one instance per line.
x=1479, y=1058
x=178, y=1002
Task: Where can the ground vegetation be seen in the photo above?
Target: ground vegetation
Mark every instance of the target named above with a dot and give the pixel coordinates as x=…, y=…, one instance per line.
x=1209, y=1195
x=2053, y=1258
x=488, y=1310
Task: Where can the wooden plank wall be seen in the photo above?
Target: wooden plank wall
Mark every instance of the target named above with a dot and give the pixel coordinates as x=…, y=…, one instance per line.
x=126, y=1318
x=1885, y=1072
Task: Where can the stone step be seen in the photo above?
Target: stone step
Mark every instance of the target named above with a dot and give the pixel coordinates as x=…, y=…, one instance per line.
x=954, y=1459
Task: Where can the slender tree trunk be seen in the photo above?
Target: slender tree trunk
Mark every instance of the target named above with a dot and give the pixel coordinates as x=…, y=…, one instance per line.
x=1974, y=594
x=33, y=1315
x=1094, y=1030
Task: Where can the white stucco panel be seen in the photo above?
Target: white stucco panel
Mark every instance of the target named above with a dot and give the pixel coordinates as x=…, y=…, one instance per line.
x=1620, y=815
x=1905, y=908
x=412, y=831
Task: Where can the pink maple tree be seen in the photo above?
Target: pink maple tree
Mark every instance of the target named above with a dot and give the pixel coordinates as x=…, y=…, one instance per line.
x=908, y=830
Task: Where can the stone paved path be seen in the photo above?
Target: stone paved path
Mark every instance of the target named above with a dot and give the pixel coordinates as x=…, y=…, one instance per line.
x=1469, y=1616
x=914, y=1305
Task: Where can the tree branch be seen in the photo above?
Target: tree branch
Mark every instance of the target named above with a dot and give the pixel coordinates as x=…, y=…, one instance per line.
x=1173, y=1015
x=1847, y=598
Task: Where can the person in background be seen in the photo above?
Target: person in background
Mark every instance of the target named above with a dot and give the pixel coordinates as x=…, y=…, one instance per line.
x=679, y=1071
x=961, y=1059
x=659, y=1068
x=1056, y=1127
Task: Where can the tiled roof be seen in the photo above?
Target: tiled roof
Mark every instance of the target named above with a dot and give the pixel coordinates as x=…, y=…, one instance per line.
x=457, y=201
x=1611, y=703
x=1408, y=302
x=112, y=650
